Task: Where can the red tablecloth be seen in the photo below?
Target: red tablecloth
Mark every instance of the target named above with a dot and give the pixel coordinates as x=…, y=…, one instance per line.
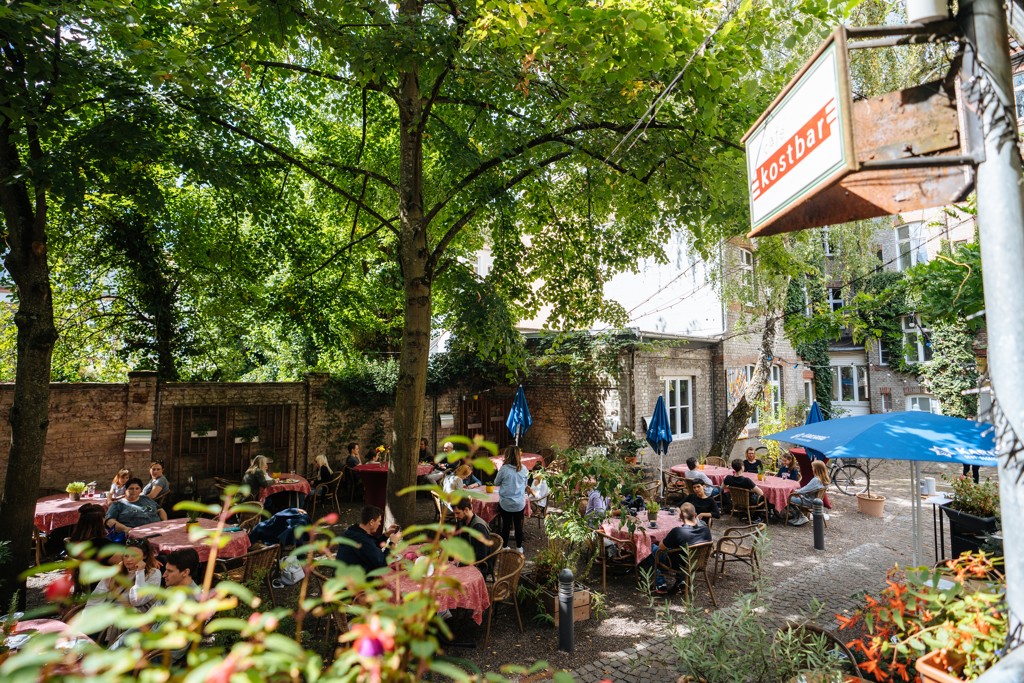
x=166, y=537
x=51, y=626
x=530, y=460
x=713, y=472
x=470, y=591
x=776, y=490
x=487, y=508
x=54, y=512
x=301, y=486
x=375, y=481
x=644, y=534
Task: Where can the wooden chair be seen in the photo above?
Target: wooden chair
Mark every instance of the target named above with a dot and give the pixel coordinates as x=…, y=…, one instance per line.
x=652, y=491
x=806, y=510
x=624, y=560
x=162, y=498
x=696, y=562
x=248, y=520
x=350, y=480
x=674, y=486
x=328, y=491
x=715, y=461
x=508, y=565
x=739, y=544
x=741, y=502
x=708, y=519
x=260, y=560
x=39, y=539
x=440, y=509
x=539, y=512
x=496, y=547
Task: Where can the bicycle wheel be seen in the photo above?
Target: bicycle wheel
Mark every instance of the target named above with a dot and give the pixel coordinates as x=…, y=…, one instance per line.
x=850, y=479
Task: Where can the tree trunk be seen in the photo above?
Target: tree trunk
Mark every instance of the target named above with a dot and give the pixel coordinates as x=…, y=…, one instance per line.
x=737, y=420
x=414, y=256
x=29, y=416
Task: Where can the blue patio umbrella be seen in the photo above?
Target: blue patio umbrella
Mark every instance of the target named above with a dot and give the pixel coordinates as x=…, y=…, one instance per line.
x=659, y=432
x=519, y=419
x=814, y=415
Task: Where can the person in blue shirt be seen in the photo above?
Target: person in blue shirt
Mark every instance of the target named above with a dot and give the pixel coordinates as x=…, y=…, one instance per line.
x=789, y=469
x=512, y=490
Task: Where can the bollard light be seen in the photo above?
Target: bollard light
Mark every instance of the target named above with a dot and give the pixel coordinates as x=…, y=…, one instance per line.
x=818, y=517
x=565, y=609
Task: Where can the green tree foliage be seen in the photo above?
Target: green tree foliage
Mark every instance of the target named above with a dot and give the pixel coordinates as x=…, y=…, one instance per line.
x=949, y=287
x=952, y=369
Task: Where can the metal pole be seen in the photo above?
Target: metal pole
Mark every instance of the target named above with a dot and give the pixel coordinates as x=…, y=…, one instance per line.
x=565, y=609
x=914, y=491
x=1001, y=224
x=818, y=517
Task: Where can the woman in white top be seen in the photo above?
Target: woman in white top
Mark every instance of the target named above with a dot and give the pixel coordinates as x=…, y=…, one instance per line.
x=805, y=495
x=139, y=573
x=511, y=482
x=540, y=489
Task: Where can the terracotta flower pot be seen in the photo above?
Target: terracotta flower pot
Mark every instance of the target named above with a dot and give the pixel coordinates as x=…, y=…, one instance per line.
x=930, y=667
x=871, y=505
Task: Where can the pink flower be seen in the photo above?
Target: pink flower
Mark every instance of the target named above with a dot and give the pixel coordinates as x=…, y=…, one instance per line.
x=222, y=672
x=330, y=519
x=372, y=639
x=61, y=588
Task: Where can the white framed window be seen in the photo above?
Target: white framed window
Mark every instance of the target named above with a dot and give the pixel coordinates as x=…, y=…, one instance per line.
x=679, y=402
x=917, y=348
x=835, y=298
x=849, y=383
x=908, y=246
x=1018, y=93
x=827, y=245
x=808, y=392
x=926, y=404
x=883, y=353
x=886, y=403
x=772, y=391
x=747, y=268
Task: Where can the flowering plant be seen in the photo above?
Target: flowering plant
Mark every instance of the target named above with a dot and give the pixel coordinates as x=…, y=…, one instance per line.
x=76, y=487
x=977, y=499
x=959, y=610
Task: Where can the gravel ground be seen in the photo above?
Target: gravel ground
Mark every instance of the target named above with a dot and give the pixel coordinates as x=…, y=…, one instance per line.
x=859, y=549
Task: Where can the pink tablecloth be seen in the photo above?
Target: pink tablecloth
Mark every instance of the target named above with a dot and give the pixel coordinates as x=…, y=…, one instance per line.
x=166, y=537
x=50, y=626
x=460, y=587
x=54, y=512
x=375, y=481
x=530, y=460
x=644, y=535
x=776, y=490
x=487, y=507
x=300, y=486
x=714, y=473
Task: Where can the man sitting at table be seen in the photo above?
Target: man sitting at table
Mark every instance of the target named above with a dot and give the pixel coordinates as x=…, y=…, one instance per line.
x=181, y=569
x=353, y=459
x=133, y=510
x=702, y=502
x=737, y=480
x=693, y=473
x=690, y=532
x=441, y=468
x=465, y=519
x=368, y=551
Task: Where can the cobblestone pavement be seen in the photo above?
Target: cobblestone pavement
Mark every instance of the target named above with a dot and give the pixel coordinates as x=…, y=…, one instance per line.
x=859, y=552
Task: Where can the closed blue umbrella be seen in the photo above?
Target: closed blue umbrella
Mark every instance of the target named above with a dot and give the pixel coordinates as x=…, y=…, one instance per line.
x=659, y=433
x=519, y=419
x=814, y=415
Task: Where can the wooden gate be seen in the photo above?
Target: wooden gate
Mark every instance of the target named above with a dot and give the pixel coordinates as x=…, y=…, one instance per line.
x=486, y=414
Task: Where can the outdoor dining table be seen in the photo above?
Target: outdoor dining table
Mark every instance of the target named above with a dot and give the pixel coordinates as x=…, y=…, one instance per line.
x=643, y=535
x=50, y=626
x=54, y=512
x=171, y=535
x=375, y=481
x=529, y=460
x=776, y=489
x=487, y=507
x=291, y=482
x=468, y=590
x=713, y=472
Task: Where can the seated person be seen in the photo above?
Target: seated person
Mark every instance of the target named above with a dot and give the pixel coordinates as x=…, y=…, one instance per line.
x=751, y=463
x=597, y=504
x=441, y=468
x=133, y=510
x=256, y=476
x=181, y=570
x=118, y=484
x=158, y=485
x=469, y=477
x=539, y=486
x=806, y=494
x=141, y=569
x=368, y=551
x=789, y=468
x=324, y=473
x=87, y=538
x=353, y=459
x=379, y=453
x=702, y=502
x=465, y=519
x=737, y=480
x=693, y=473
x=455, y=479
x=690, y=532
x=426, y=457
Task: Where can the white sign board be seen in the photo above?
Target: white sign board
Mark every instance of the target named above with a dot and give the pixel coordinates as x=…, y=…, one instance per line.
x=803, y=141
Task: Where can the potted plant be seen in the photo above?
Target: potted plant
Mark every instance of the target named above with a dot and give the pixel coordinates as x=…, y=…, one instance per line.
x=939, y=622
x=871, y=504
x=973, y=511
x=203, y=429
x=75, y=490
x=629, y=446
x=542, y=586
x=249, y=434
x=191, y=520
x=652, y=510
x=702, y=461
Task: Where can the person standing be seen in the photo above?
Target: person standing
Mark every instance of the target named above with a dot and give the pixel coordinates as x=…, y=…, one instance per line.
x=512, y=490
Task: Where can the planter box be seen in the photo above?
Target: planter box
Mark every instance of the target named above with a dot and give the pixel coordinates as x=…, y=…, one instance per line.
x=961, y=523
x=239, y=439
x=205, y=435
x=549, y=599
x=931, y=671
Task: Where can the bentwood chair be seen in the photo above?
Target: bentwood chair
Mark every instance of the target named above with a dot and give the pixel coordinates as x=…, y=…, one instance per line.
x=259, y=561
x=508, y=565
x=739, y=544
x=622, y=562
x=690, y=562
x=248, y=520
x=675, y=487
x=715, y=461
x=742, y=502
x=806, y=509
x=496, y=547
x=327, y=493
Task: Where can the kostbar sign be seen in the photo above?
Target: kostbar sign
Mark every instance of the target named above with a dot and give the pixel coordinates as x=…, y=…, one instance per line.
x=801, y=143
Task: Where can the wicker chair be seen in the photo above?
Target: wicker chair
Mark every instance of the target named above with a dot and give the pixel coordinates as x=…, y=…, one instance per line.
x=652, y=490
x=707, y=518
x=329, y=493
x=623, y=562
x=741, y=502
x=496, y=543
x=248, y=520
x=440, y=509
x=674, y=486
x=715, y=461
x=259, y=560
x=696, y=563
x=739, y=544
x=806, y=509
x=508, y=565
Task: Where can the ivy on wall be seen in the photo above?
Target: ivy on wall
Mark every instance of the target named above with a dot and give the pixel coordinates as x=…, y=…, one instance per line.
x=952, y=369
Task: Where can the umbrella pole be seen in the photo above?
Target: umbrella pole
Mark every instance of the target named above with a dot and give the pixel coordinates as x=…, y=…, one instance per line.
x=913, y=512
